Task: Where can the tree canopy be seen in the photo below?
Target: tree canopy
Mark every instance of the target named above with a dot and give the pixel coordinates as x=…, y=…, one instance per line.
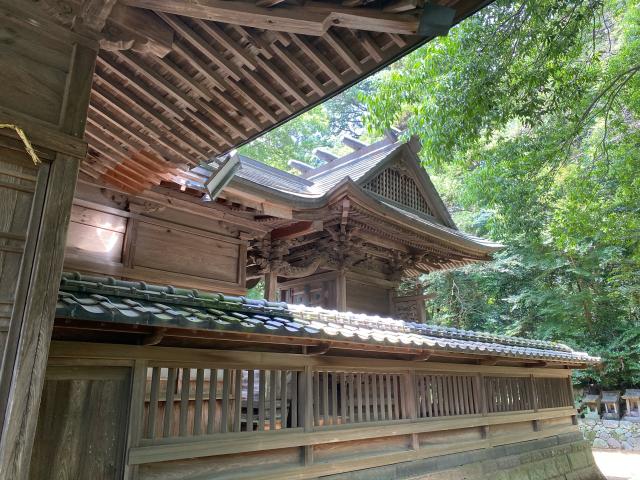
x=529, y=116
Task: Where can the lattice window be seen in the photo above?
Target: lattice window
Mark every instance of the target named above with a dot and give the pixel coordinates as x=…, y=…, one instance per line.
x=553, y=393
x=446, y=395
x=398, y=187
x=508, y=394
x=189, y=401
x=344, y=397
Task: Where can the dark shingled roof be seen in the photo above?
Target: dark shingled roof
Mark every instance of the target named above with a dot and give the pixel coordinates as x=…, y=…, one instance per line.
x=106, y=299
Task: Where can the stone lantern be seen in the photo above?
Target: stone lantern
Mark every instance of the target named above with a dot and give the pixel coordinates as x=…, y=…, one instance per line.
x=632, y=397
x=592, y=402
x=611, y=401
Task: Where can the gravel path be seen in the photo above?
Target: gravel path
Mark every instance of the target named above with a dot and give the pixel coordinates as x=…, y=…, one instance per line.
x=618, y=465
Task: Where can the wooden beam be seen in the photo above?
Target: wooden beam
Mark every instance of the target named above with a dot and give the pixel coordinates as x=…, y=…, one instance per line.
x=318, y=58
x=296, y=230
x=312, y=18
x=399, y=6
x=343, y=51
x=94, y=13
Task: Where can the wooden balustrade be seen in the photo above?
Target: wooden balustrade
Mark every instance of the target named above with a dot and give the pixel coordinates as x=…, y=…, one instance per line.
x=183, y=402
x=189, y=404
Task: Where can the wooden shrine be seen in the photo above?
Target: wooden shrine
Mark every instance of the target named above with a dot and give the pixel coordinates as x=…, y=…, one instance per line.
x=144, y=359
x=611, y=403
x=632, y=398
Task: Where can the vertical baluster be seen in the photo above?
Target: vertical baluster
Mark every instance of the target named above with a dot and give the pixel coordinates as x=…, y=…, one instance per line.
x=358, y=382
x=197, y=413
x=383, y=405
x=168, y=405
x=389, y=397
x=283, y=399
x=262, y=383
x=237, y=401
x=273, y=386
x=213, y=394
x=224, y=419
x=334, y=398
x=294, y=399
x=325, y=397
x=367, y=398
x=441, y=396
x=153, y=403
x=316, y=398
x=250, y=389
x=374, y=395
x=428, y=392
x=403, y=400
x=184, y=401
x=343, y=397
x=352, y=399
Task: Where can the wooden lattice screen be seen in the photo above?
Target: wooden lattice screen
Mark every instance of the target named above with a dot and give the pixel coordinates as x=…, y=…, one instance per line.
x=508, y=394
x=446, y=395
x=398, y=187
x=183, y=402
x=189, y=401
x=553, y=393
x=345, y=397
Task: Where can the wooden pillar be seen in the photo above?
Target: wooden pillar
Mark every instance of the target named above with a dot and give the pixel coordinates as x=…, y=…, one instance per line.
x=47, y=74
x=341, y=291
x=271, y=287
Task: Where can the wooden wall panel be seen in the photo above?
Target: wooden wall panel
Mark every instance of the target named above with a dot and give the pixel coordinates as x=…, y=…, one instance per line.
x=46, y=79
x=95, y=235
x=81, y=428
x=367, y=298
x=18, y=178
x=178, y=251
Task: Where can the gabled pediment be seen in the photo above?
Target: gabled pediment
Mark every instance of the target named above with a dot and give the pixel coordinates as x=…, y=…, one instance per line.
x=403, y=182
x=399, y=187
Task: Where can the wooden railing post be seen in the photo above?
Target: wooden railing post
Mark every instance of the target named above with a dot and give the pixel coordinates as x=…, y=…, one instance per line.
x=136, y=413
x=410, y=403
x=481, y=393
x=534, y=402
x=307, y=404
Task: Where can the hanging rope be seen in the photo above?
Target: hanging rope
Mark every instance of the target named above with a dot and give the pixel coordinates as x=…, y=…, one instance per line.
x=27, y=144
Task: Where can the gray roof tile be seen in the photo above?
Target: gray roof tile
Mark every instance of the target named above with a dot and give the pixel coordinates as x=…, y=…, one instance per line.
x=110, y=300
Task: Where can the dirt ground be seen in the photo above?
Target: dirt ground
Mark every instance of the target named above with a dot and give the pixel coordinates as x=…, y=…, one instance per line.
x=618, y=465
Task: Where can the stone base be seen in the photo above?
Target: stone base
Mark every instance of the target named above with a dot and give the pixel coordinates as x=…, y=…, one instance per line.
x=561, y=457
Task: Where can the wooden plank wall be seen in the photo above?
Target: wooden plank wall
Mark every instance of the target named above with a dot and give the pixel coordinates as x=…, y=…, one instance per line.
x=80, y=434
x=46, y=79
x=156, y=249
x=18, y=177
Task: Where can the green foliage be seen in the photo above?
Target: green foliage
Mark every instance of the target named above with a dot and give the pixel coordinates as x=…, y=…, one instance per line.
x=529, y=114
x=321, y=126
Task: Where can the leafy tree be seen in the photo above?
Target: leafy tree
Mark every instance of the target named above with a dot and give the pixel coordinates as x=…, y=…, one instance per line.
x=529, y=113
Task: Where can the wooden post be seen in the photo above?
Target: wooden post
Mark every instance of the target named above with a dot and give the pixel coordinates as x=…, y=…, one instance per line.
x=307, y=403
x=341, y=292
x=271, y=286
x=53, y=118
x=136, y=412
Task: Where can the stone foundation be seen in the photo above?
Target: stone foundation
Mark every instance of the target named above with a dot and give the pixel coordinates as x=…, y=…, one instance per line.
x=560, y=457
x=612, y=434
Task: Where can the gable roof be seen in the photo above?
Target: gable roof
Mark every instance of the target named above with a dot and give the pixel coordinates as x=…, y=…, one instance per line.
x=107, y=300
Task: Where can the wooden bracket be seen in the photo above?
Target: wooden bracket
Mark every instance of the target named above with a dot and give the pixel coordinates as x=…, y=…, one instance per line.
x=491, y=361
x=320, y=349
x=155, y=338
x=421, y=357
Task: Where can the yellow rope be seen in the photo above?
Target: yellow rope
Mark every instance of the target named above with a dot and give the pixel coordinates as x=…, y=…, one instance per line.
x=27, y=144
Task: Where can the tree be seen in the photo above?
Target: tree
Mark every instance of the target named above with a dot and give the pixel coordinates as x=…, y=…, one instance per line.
x=528, y=113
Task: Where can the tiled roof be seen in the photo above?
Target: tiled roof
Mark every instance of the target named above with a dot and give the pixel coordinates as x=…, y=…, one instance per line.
x=108, y=300
x=421, y=219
